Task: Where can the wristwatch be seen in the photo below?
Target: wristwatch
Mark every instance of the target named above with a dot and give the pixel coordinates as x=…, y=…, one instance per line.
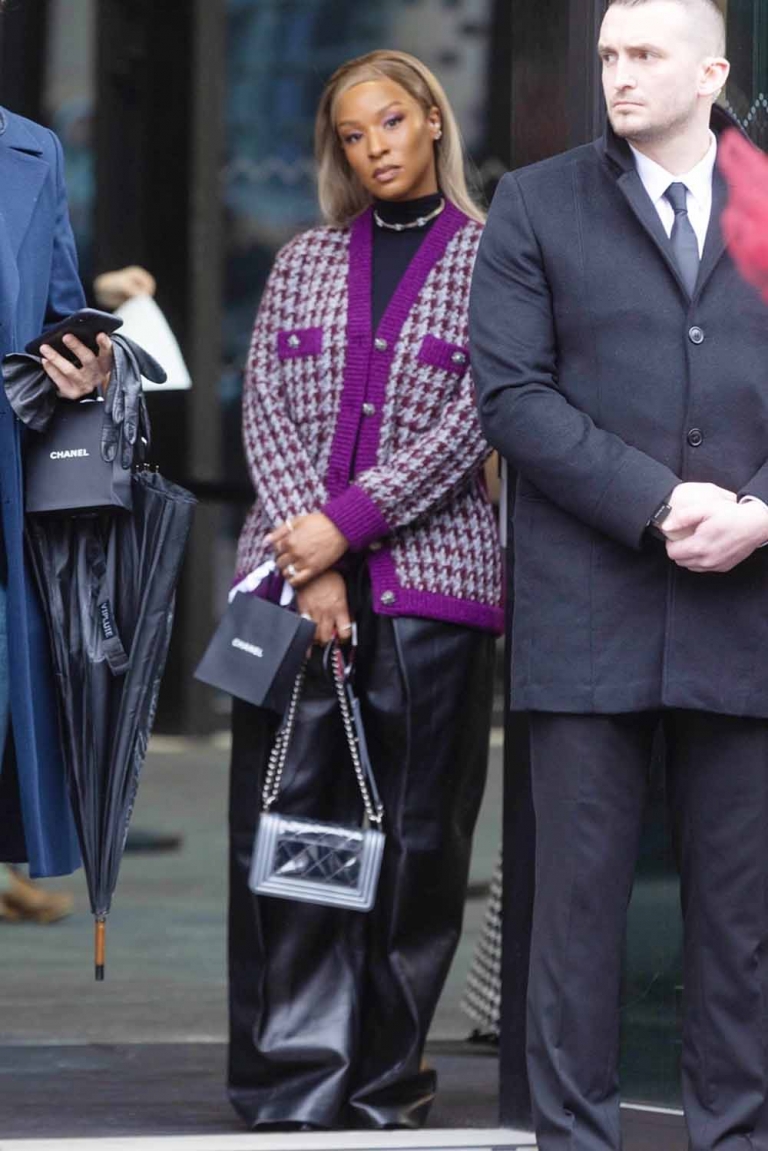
x=657, y=519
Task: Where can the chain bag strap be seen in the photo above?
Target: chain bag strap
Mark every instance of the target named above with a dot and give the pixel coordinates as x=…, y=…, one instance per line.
x=279, y=752
x=349, y=706
x=311, y=860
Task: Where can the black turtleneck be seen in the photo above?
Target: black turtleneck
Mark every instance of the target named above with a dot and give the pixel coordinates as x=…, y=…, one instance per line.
x=393, y=251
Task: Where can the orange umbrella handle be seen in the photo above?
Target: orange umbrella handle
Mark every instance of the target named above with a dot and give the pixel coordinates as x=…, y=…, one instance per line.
x=100, y=948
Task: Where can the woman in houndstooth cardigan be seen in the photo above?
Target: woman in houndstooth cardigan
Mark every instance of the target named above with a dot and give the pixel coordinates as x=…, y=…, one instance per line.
x=366, y=457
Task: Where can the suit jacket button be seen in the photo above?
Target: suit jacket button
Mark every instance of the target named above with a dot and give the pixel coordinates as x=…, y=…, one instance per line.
x=376, y=546
x=388, y=598
x=695, y=438
x=696, y=336
x=369, y=409
x=380, y=344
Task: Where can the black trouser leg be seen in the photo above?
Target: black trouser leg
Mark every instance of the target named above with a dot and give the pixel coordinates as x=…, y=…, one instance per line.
x=330, y=1009
x=427, y=692
x=718, y=787
x=589, y=775
x=294, y=968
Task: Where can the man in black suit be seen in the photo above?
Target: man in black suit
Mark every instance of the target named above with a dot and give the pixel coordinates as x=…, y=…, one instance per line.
x=622, y=367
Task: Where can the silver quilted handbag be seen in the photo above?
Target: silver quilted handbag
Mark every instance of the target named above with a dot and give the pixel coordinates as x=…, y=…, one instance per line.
x=305, y=859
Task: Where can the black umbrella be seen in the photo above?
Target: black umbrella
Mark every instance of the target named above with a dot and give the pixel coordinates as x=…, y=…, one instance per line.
x=108, y=585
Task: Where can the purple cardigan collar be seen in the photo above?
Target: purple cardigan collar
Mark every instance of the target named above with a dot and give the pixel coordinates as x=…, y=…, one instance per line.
x=361, y=273
x=367, y=364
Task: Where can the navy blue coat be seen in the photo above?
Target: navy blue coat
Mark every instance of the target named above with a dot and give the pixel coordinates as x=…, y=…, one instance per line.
x=605, y=385
x=38, y=284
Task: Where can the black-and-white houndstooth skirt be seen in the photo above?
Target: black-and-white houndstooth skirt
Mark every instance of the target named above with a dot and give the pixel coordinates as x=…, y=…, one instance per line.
x=482, y=991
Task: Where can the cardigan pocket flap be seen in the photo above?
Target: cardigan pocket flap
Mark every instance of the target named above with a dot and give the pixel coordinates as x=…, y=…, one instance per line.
x=441, y=354
x=293, y=342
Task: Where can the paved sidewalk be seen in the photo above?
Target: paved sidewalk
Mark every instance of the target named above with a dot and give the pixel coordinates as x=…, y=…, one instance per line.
x=165, y=978
x=142, y=1053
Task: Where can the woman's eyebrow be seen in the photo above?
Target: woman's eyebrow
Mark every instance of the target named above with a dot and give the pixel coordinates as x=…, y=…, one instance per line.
x=381, y=111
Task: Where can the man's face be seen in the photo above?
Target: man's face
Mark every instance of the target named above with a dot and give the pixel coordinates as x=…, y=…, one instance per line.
x=653, y=64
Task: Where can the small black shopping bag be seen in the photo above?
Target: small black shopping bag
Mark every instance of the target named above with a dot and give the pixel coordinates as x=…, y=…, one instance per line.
x=64, y=469
x=256, y=652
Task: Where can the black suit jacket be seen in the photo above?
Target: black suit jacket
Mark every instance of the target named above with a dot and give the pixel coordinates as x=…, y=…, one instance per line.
x=605, y=385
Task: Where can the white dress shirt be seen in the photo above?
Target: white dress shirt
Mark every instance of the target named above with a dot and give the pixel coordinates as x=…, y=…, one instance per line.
x=698, y=182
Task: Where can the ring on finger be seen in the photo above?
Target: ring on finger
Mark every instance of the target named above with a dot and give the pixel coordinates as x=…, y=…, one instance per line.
x=346, y=627
x=291, y=572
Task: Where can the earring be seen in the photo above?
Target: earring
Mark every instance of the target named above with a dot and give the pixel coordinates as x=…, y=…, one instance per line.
x=439, y=134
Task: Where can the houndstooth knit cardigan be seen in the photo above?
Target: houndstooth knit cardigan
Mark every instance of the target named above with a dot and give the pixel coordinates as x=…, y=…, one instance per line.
x=326, y=398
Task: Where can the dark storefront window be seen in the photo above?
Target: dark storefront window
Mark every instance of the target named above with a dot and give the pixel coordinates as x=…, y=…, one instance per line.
x=747, y=96
x=68, y=102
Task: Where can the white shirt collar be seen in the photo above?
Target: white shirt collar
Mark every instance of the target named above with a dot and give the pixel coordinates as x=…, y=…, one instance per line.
x=698, y=181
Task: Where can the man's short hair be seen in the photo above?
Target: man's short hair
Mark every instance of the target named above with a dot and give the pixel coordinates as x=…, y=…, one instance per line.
x=710, y=10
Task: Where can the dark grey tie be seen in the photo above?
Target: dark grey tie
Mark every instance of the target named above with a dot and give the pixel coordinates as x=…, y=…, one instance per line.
x=685, y=246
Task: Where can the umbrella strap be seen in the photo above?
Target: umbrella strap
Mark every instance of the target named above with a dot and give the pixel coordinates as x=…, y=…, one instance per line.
x=111, y=643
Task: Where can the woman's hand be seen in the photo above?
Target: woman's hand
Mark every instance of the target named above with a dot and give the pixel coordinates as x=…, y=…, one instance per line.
x=324, y=601
x=74, y=382
x=306, y=547
x=113, y=288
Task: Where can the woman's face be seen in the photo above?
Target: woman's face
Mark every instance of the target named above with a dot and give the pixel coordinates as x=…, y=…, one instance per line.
x=388, y=139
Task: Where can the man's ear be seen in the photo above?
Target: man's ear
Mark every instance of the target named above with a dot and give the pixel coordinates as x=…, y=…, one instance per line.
x=715, y=72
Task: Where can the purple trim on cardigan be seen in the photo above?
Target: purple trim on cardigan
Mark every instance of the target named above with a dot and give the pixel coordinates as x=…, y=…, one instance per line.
x=358, y=353
x=388, y=333
x=357, y=517
x=427, y=604
x=299, y=342
x=441, y=354
x=367, y=371
x=368, y=365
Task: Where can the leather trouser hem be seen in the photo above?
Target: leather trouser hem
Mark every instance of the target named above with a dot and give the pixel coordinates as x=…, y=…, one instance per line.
x=260, y=1117
x=407, y=1115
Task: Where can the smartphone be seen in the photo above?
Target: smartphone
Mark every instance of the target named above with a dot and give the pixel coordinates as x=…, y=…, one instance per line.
x=85, y=324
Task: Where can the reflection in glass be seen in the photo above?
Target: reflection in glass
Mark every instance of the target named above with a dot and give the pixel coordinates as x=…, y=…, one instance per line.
x=68, y=101
x=747, y=95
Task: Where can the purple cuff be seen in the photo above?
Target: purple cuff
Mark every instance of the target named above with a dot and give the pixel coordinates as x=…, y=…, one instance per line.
x=357, y=517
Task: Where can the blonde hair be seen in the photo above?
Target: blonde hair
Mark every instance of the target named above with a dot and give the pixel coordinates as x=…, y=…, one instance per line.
x=342, y=196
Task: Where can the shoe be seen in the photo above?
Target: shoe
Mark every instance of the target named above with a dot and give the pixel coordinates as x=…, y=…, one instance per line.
x=287, y=1125
x=484, y=1038
x=148, y=842
x=24, y=900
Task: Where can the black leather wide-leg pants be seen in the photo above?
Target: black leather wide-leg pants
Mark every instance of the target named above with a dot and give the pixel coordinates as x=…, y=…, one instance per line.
x=329, y=1009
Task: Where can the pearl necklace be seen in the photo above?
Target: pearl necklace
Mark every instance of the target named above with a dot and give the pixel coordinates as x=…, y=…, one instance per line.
x=420, y=223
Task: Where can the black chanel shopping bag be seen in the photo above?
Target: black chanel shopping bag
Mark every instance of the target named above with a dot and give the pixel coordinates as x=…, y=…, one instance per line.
x=256, y=652
x=64, y=470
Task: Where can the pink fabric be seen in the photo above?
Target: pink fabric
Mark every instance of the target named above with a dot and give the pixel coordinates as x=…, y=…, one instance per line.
x=745, y=220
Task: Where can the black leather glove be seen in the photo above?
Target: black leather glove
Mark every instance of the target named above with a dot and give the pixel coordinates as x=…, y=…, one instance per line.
x=126, y=422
